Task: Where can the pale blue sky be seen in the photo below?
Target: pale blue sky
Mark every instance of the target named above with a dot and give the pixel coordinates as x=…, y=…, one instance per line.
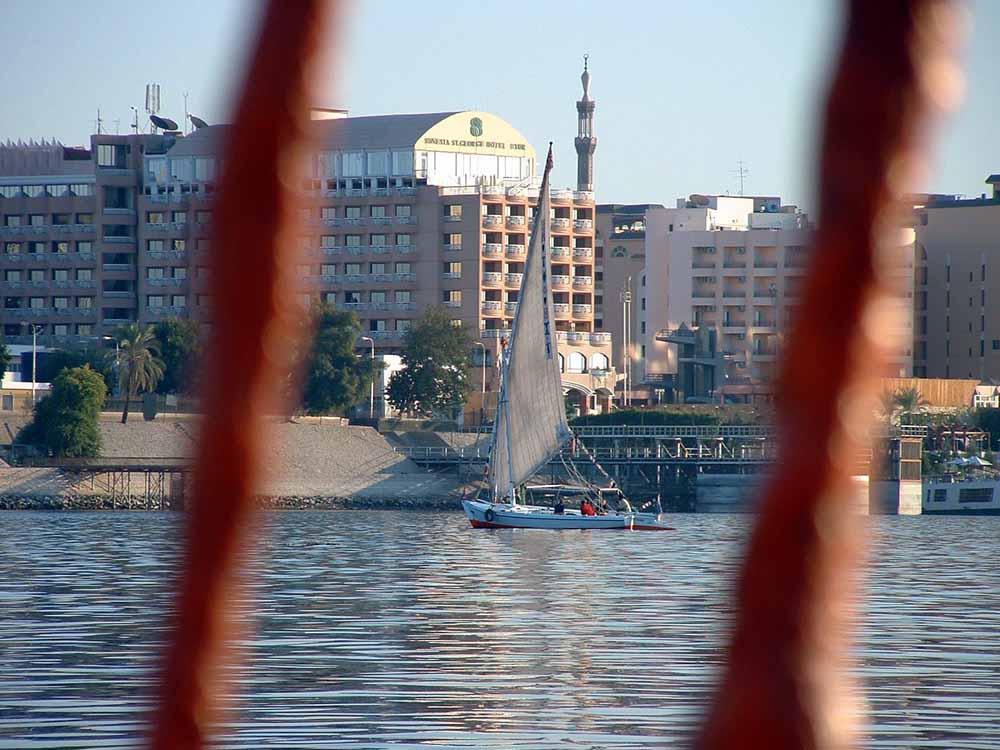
x=683, y=89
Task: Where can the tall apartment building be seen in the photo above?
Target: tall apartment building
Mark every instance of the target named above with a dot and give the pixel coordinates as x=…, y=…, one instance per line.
x=957, y=331
x=399, y=212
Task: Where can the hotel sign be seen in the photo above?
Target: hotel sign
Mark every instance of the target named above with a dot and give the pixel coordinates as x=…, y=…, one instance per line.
x=475, y=132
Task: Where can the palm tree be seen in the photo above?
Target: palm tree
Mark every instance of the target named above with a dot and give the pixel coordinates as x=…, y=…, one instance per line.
x=887, y=405
x=909, y=401
x=139, y=367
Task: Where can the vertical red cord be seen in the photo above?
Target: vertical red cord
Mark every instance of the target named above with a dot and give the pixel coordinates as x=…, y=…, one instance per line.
x=252, y=334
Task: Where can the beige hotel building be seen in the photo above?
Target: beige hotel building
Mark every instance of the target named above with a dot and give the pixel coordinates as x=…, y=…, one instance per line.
x=400, y=212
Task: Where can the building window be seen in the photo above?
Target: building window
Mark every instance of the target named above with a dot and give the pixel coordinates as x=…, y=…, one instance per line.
x=576, y=362
x=60, y=248
x=353, y=240
x=403, y=210
x=453, y=269
x=154, y=273
x=60, y=274
x=84, y=329
x=328, y=213
x=996, y=345
x=377, y=297
x=155, y=217
x=84, y=303
x=377, y=212
x=452, y=297
x=179, y=272
x=453, y=209
x=377, y=240
x=328, y=269
x=376, y=268
x=179, y=217
x=404, y=267
x=328, y=240
x=330, y=298
x=352, y=298
x=378, y=325
x=403, y=325
x=203, y=217
x=404, y=296
x=60, y=303
x=180, y=246
x=36, y=220
x=154, y=300
x=60, y=329
x=352, y=269
x=112, y=155
x=404, y=240
x=456, y=322
x=642, y=327
x=352, y=212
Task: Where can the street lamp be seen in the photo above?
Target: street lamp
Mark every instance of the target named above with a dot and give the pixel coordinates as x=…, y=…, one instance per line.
x=34, y=357
x=371, y=399
x=482, y=399
x=117, y=365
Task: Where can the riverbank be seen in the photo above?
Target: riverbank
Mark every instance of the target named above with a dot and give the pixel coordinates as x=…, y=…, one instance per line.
x=308, y=464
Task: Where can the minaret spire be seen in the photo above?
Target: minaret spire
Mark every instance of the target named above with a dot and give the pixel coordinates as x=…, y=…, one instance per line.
x=586, y=141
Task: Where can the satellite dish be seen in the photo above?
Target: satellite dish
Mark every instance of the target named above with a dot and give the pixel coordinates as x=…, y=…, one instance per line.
x=164, y=123
x=198, y=122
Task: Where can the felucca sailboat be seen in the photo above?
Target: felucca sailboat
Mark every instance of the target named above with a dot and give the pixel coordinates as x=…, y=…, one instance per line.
x=530, y=427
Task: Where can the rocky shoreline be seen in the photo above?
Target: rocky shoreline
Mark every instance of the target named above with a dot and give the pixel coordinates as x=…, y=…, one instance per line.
x=82, y=502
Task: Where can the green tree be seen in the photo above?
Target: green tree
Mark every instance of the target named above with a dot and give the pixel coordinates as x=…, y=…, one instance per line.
x=139, y=367
x=887, y=406
x=336, y=378
x=178, y=343
x=65, y=421
x=435, y=378
x=5, y=358
x=909, y=402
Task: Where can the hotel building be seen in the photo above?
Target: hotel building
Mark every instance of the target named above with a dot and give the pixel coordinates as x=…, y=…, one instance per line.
x=399, y=213
x=957, y=331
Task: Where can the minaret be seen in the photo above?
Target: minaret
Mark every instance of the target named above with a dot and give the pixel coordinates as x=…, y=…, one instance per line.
x=586, y=141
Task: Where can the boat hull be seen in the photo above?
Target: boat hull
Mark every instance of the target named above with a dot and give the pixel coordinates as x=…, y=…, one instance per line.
x=483, y=515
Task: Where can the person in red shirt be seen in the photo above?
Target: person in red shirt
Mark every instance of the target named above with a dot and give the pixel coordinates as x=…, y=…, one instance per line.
x=587, y=508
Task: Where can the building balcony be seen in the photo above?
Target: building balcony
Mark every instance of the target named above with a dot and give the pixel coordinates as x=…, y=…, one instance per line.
x=352, y=306
x=582, y=311
x=561, y=310
x=492, y=308
x=449, y=218
x=332, y=250
x=492, y=190
x=405, y=249
x=765, y=263
x=451, y=247
x=382, y=221
x=583, y=282
x=561, y=282
x=583, y=196
x=166, y=281
x=510, y=308
x=404, y=277
x=166, y=311
x=355, y=193
x=764, y=298
x=515, y=252
x=703, y=264
x=583, y=253
x=516, y=222
x=583, y=225
x=492, y=279
x=516, y=193
x=74, y=284
x=380, y=249
x=115, y=322
x=118, y=294
x=493, y=250
x=158, y=226
x=380, y=193
x=407, y=191
x=560, y=252
x=765, y=325
x=117, y=240
x=561, y=196
x=494, y=333
x=117, y=267
x=406, y=219
x=513, y=279
x=451, y=275
x=492, y=220
x=734, y=264
x=330, y=279
x=561, y=225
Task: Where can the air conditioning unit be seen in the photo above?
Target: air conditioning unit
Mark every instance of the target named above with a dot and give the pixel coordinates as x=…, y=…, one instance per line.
x=741, y=278
x=710, y=250
x=741, y=251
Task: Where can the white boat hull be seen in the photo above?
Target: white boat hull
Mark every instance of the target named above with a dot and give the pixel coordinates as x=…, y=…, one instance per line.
x=485, y=515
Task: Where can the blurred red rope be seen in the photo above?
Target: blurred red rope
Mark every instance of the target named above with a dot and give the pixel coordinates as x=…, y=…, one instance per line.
x=785, y=684
x=251, y=341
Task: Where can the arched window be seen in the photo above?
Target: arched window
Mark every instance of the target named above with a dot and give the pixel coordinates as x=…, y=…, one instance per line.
x=562, y=363
x=576, y=362
x=599, y=361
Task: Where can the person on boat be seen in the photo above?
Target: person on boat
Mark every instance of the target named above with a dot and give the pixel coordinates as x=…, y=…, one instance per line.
x=559, y=508
x=587, y=508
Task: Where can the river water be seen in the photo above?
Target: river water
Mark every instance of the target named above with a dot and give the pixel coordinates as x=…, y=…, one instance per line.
x=404, y=630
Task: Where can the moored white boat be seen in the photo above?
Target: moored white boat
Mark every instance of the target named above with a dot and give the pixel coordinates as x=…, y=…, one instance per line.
x=971, y=497
x=483, y=514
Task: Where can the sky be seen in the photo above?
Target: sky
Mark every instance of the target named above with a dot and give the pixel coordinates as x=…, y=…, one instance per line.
x=684, y=91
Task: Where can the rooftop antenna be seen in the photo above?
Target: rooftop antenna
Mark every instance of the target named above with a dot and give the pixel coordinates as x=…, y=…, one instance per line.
x=98, y=122
x=135, y=119
x=741, y=172
x=118, y=123
x=185, y=113
x=152, y=100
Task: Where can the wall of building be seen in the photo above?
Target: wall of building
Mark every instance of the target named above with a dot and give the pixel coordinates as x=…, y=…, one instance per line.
x=957, y=331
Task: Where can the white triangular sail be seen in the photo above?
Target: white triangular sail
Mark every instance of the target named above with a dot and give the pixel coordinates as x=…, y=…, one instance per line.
x=531, y=417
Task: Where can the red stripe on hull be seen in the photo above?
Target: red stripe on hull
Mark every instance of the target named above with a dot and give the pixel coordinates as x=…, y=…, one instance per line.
x=490, y=525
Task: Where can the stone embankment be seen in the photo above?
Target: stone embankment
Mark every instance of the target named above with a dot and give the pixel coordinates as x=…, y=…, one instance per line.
x=308, y=464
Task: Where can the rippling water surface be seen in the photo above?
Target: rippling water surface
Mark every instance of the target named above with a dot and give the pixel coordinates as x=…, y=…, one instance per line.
x=399, y=630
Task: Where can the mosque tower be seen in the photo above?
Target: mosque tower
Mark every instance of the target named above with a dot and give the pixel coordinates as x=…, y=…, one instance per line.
x=586, y=141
